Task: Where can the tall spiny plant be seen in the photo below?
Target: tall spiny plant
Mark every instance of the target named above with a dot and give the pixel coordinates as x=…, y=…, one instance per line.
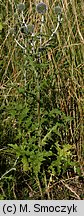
x=28, y=29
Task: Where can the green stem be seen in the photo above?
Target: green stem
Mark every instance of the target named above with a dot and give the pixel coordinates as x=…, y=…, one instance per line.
x=38, y=110
x=39, y=185
x=38, y=86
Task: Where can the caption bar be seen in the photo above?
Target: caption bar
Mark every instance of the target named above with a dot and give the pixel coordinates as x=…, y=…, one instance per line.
x=42, y=207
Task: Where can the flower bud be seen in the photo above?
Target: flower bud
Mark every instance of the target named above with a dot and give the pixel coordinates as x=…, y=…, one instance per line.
x=21, y=7
x=30, y=28
x=58, y=10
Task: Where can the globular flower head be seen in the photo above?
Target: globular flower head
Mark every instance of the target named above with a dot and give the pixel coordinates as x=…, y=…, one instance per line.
x=27, y=29
x=58, y=10
x=20, y=7
x=30, y=28
x=41, y=8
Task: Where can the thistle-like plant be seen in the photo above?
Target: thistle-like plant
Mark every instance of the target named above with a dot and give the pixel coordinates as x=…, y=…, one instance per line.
x=33, y=123
x=28, y=31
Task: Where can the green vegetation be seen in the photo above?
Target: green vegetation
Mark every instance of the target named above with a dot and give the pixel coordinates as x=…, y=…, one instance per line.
x=41, y=100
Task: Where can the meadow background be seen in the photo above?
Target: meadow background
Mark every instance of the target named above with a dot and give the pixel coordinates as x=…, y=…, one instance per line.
x=42, y=103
